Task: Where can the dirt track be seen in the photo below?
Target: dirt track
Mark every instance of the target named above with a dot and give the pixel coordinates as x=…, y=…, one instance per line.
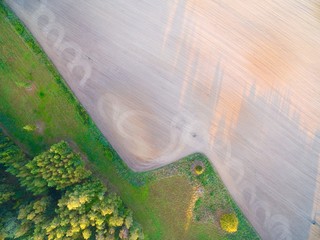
x=236, y=80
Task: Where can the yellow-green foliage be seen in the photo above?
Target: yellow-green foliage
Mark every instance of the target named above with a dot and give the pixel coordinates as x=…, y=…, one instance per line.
x=229, y=222
x=60, y=167
x=86, y=234
x=98, y=214
x=84, y=211
x=5, y=193
x=199, y=169
x=29, y=128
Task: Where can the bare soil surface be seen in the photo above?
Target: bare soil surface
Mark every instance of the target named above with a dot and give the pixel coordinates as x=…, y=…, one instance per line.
x=237, y=80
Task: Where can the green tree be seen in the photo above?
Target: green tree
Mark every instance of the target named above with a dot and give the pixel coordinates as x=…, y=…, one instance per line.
x=10, y=155
x=59, y=167
x=76, y=207
x=15, y=161
x=87, y=211
x=7, y=214
x=78, y=211
x=6, y=193
x=34, y=216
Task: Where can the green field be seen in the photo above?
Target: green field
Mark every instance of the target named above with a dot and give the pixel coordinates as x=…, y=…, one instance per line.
x=33, y=93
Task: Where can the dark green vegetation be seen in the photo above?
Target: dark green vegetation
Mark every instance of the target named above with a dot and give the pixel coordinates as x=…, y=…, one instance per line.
x=33, y=93
x=56, y=198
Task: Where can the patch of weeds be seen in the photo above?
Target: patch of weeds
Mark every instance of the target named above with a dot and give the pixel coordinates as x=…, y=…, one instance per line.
x=41, y=94
x=83, y=114
x=4, y=66
x=27, y=56
x=30, y=76
x=108, y=153
x=30, y=127
x=22, y=84
x=197, y=204
x=212, y=208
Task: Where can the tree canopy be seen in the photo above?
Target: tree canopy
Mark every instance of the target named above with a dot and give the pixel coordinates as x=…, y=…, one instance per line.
x=229, y=222
x=53, y=196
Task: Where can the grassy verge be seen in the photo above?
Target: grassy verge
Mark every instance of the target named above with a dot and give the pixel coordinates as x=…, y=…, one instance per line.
x=33, y=93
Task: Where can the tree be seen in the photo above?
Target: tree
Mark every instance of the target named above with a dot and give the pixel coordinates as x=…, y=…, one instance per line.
x=10, y=155
x=86, y=211
x=136, y=234
x=7, y=197
x=59, y=167
x=15, y=161
x=34, y=216
x=76, y=207
x=6, y=193
x=79, y=211
x=198, y=169
x=229, y=222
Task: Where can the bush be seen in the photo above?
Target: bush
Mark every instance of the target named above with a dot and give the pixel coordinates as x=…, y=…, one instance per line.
x=197, y=204
x=229, y=222
x=41, y=94
x=29, y=128
x=109, y=154
x=83, y=114
x=199, y=169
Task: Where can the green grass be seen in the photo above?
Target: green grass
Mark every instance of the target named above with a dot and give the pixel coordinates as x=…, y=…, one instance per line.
x=171, y=199
x=32, y=92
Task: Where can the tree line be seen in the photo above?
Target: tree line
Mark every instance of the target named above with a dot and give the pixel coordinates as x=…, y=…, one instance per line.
x=52, y=196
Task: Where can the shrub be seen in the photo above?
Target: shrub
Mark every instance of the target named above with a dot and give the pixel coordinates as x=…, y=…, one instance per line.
x=198, y=169
x=59, y=167
x=29, y=128
x=109, y=154
x=197, y=204
x=229, y=222
x=83, y=114
x=41, y=94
